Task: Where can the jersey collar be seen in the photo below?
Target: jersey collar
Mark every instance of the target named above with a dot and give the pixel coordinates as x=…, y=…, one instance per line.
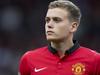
x=71, y=50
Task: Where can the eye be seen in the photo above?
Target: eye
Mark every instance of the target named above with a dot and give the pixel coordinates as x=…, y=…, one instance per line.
x=57, y=19
x=47, y=19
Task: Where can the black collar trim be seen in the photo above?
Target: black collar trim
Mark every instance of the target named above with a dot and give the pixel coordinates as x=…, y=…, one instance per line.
x=71, y=50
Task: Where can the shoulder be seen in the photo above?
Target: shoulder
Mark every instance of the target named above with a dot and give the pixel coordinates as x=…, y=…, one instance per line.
x=88, y=53
x=34, y=52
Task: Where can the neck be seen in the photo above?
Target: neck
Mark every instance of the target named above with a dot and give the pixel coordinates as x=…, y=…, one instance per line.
x=62, y=46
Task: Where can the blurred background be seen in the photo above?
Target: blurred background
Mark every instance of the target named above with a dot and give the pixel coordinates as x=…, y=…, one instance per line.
x=22, y=28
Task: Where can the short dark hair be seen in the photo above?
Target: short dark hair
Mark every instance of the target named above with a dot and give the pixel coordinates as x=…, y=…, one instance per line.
x=74, y=11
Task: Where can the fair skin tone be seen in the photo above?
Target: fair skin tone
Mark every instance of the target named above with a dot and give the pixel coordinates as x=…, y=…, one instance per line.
x=59, y=30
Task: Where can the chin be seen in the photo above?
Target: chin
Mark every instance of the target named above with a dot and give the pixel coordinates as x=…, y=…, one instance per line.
x=52, y=39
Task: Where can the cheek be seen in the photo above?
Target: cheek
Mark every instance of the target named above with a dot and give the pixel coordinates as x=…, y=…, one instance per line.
x=45, y=27
x=63, y=29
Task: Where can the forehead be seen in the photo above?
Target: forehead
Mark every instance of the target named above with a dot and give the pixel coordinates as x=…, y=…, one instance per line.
x=57, y=12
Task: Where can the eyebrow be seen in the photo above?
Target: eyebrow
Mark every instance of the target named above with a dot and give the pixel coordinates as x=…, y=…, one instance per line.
x=53, y=17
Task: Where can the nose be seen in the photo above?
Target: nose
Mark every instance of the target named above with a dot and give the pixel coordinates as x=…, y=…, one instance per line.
x=50, y=24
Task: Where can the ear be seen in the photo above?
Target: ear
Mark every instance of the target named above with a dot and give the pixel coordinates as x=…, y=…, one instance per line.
x=74, y=26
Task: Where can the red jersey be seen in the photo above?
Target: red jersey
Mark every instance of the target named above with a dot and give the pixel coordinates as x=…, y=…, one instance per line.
x=78, y=60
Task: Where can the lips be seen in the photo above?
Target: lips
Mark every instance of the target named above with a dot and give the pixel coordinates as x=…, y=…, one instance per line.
x=50, y=32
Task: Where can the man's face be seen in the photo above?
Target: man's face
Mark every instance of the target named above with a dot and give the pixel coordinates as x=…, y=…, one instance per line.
x=57, y=27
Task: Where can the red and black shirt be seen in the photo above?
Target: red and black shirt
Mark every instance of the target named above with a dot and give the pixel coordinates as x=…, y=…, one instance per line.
x=78, y=60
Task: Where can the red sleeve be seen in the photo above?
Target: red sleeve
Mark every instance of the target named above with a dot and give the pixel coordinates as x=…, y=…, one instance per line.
x=24, y=65
x=97, y=67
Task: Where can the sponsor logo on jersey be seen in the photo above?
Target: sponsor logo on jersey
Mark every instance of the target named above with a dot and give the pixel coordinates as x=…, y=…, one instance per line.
x=40, y=69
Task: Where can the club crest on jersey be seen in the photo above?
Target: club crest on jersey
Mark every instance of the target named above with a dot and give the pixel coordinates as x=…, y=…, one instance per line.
x=78, y=69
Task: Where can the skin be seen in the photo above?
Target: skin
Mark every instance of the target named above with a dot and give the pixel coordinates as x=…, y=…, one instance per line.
x=59, y=30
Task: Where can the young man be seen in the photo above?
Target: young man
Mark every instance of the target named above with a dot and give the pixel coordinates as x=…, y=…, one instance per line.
x=63, y=55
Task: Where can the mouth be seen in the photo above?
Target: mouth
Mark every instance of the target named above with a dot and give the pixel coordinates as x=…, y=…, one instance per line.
x=50, y=32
